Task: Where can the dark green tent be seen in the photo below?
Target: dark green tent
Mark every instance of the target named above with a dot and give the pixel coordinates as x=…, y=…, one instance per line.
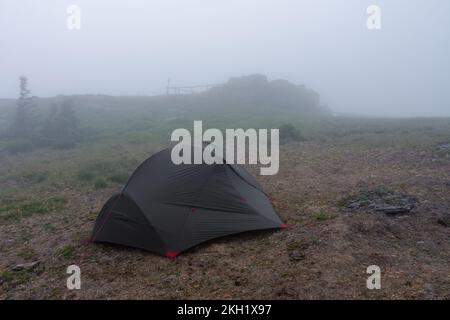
x=168, y=208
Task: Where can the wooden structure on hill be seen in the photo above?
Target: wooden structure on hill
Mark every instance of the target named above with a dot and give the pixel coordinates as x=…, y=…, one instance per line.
x=187, y=90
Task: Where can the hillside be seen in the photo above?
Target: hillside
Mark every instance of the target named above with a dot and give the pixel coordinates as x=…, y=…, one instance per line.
x=249, y=95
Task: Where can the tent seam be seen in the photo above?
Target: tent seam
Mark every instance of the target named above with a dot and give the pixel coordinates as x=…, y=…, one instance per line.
x=148, y=221
x=189, y=213
x=248, y=204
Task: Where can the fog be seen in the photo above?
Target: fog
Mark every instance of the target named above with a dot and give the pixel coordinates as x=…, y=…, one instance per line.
x=133, y=47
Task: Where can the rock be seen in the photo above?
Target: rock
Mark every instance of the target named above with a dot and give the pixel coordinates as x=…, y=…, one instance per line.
x=443, y=146
x=444, y=220
x=170, y=279
x=382, y=200
x=25, y=266
x=297, y=255
x=354, y=205
x=297, y=250
x=392, y=210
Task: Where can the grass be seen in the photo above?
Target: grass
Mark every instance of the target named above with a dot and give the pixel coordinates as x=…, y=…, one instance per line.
x=100, y=183
x=11, y=279
x=27, y=254
x=67, y=251
x=7, y=276
x=123, y=138
x=295, y=245
x=116, y=170
x=14, y=210
x=120, y=177
x=84, y=175
x=323, y=216
x=36, y=177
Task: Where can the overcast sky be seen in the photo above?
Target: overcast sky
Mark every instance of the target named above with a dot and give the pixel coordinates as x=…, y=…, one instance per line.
x=132, y=47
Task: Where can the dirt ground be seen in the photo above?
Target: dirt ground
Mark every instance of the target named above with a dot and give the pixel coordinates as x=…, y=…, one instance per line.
x=323, y=253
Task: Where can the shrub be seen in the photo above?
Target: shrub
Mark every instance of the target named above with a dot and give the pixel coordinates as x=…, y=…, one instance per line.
x=19, y=146
x=100, y=183
x=85, y=175
x=120, y=177
x=289, y=133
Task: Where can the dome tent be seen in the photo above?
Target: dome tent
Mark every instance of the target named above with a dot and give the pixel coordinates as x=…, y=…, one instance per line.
x=167, y=208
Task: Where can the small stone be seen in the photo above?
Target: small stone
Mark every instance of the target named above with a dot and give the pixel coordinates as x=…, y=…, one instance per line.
x=353, y=205
x=25, y=266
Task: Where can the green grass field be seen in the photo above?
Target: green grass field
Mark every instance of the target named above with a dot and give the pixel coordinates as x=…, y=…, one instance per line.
x=117, y=138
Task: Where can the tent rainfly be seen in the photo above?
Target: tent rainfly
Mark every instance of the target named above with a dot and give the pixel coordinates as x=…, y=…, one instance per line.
x=167, y=208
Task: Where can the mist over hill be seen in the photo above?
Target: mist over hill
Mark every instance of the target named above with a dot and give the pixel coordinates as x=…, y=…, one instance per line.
x=256, y=93
x=245, y=95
